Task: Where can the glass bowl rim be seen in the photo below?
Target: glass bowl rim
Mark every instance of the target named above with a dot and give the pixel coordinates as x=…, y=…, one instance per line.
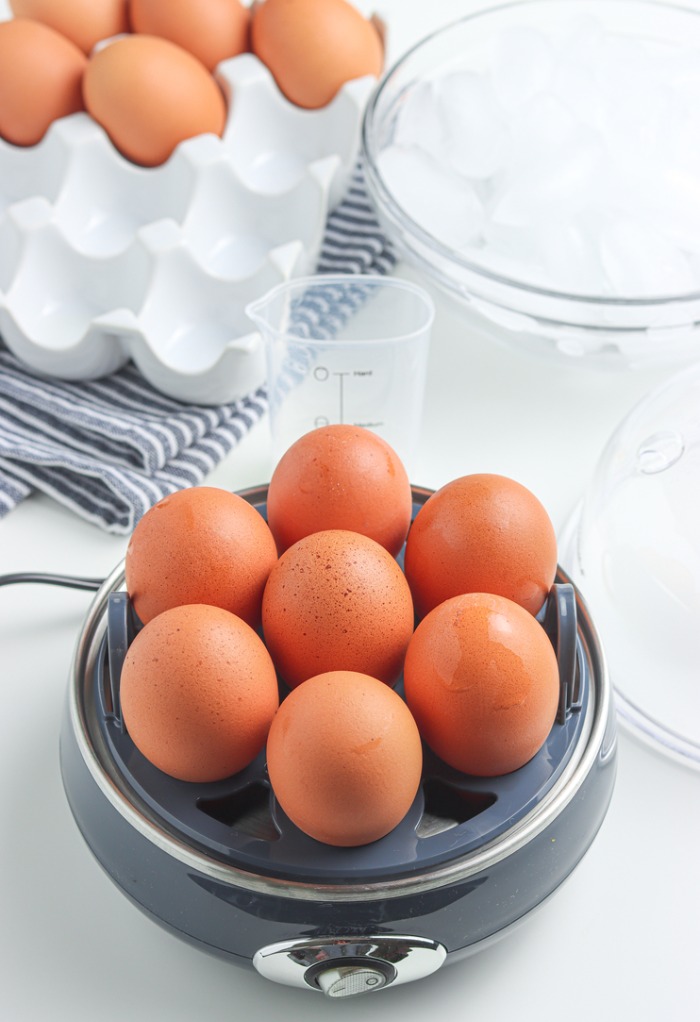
x=398, y=216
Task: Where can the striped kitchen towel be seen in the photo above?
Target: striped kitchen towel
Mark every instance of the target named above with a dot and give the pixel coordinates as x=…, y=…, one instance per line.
x=109, y=449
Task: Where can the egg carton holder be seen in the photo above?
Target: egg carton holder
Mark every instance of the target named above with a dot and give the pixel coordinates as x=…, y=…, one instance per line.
x=238, y=820
x=102, y=260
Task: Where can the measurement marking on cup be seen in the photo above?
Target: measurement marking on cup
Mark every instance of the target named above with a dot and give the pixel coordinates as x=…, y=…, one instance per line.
x=341, y=395
x=322, y=374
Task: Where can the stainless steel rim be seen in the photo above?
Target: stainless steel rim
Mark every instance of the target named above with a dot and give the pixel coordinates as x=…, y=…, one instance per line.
x=137, y=815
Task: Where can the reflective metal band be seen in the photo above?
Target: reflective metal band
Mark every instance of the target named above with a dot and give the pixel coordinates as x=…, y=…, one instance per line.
x=137, y=815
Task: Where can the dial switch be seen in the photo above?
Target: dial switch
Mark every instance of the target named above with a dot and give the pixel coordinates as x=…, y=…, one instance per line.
x=346, y=966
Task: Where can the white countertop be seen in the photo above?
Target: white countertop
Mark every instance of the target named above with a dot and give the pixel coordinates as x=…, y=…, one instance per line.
x=619, y=940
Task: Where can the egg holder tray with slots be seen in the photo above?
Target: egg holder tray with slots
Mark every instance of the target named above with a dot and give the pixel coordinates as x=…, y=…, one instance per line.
x=239, y=818
x=221, y=865
x=102, y=261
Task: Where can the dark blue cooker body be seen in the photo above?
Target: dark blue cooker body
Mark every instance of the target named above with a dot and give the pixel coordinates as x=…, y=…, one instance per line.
x=235, y=922
x=222, y=867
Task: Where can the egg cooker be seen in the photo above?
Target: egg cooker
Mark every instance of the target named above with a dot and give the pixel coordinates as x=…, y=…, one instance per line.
x=221, y=866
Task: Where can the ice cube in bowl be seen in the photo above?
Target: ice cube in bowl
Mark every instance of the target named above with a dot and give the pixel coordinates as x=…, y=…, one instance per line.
x=538, y=161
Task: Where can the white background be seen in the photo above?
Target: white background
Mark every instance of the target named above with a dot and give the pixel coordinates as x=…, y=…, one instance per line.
x=619, y=940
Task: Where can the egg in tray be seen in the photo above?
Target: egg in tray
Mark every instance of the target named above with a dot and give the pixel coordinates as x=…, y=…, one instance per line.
x=106, y=258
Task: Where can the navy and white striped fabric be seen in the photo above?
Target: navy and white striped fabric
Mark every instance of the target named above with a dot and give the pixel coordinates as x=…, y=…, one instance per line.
x=353, y=241
x=109, y=449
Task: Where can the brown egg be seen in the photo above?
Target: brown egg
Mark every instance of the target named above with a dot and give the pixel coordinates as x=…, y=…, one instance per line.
x=40, y=80
x=149, y=95
x=84, y=22
x=340, y=477
x=200, y=545
x=482, y=681
x=481, y=534
x=344, y=758
x=198, y=693
x=312, y=47
x=212, y=30
x=337, y=601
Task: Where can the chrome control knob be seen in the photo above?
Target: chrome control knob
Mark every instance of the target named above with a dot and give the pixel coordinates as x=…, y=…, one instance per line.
x=346, y=966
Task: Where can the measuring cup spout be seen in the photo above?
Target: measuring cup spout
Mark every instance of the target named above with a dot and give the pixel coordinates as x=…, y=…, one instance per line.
x=256, y=311
x=267, y=312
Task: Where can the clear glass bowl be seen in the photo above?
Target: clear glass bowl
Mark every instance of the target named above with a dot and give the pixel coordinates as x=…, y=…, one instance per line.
x=633, y=549
x=598, y=328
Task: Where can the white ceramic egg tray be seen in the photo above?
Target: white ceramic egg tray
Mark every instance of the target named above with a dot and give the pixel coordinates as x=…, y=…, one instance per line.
x=102, y=261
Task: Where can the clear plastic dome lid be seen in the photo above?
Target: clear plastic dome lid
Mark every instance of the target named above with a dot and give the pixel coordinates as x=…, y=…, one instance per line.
x=633, y=549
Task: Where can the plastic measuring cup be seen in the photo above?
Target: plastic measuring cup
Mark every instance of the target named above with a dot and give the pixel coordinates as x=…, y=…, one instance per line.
x=346, y=348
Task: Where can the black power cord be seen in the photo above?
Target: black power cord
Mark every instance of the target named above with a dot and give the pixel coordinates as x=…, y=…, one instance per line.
x=67, y=581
